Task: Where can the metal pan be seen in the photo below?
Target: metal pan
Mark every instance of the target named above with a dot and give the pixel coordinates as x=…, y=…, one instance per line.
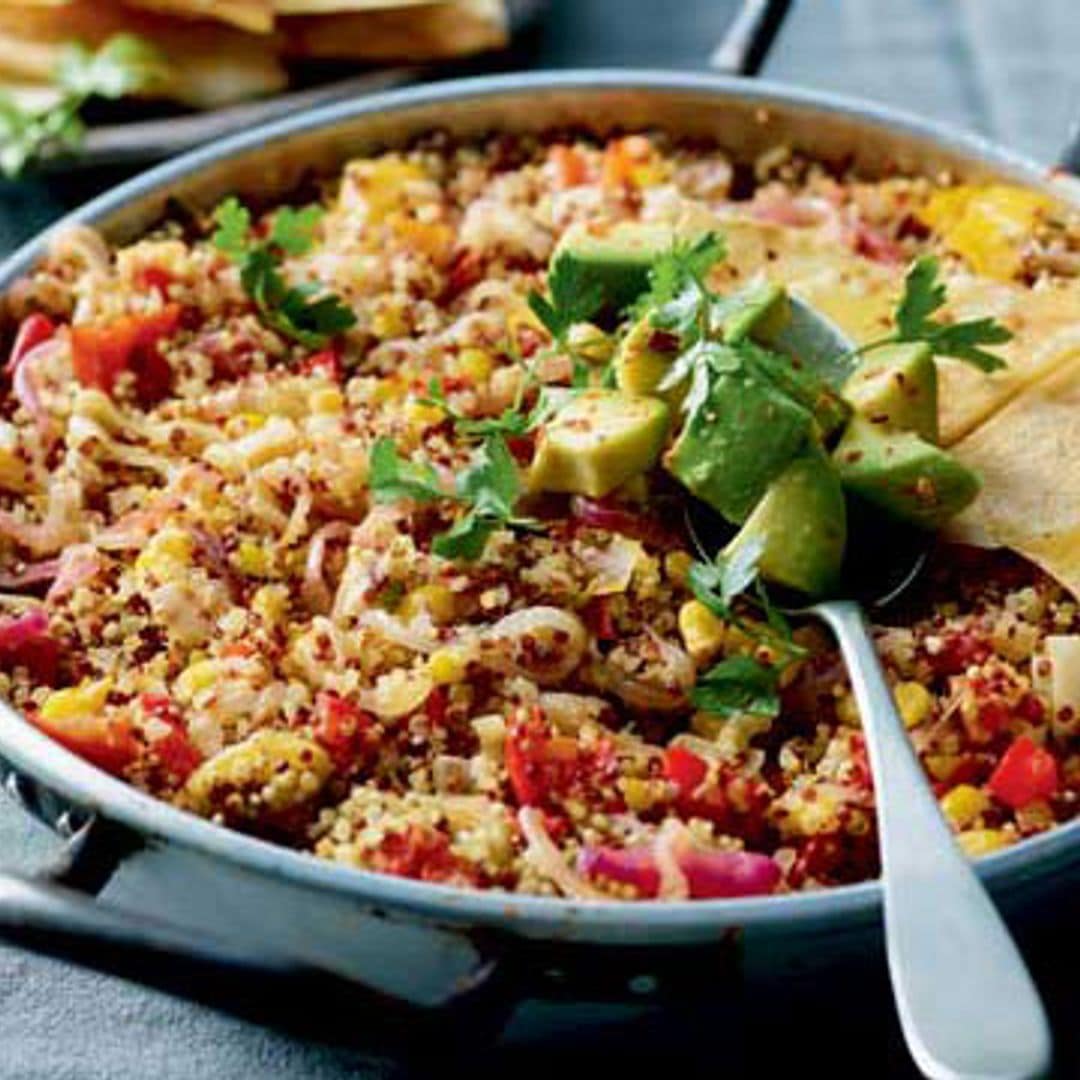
x=239, y=906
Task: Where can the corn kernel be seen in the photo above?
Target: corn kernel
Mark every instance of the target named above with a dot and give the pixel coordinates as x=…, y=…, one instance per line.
x=677, y=566
x=847, y=711
x=270, y=603
x=389, y=321
x=976, y=842
x=388, y=389
x=86, y=699
x=252, y=559
x=167, y=554
x=963, y=805
x=475, y=364
x=702, y=632
x=196, y=677
x=436, y=600
x=914, y=702
x=447, y=666
x=326, y=400
x=421, y=416
x=642, y=795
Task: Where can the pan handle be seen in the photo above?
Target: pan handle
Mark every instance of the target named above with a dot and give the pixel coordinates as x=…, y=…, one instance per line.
x=1069, y=158
x=745, y=45
x=59, y=921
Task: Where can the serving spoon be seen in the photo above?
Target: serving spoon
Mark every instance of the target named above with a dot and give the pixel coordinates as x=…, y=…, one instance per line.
x=967, y=1005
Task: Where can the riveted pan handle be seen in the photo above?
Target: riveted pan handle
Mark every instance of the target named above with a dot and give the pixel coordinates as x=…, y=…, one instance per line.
x=749, y=36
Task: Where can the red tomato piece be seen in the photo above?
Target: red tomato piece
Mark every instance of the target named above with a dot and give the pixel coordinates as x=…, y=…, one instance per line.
x=25, y=641
x=422, y=853
x=34, y=330
x=326, y=362
x=343, y=729
x=154, y=277
x=101, y=354
x=1027, y=772
x=177, y=753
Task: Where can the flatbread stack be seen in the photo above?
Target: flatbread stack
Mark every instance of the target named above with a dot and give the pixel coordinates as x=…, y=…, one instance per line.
x=222, y=51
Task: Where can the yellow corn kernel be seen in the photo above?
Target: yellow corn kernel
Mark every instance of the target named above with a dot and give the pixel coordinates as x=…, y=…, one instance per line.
x=252, y=559
x=388, y=389
x=421, y=416
x=847, y=712
x=389, y=321
x=914, y=702
x=475, y=364
x=436, y=600
x=384, y=183
x=326, y=400
x=976, y=842
x=702, y=632
x=270, y=603
x=677, y=566
x=963, y=805
x=447, y=666
x=195, y=678
x=167, y=554
x=642, y=795
x=86, y=699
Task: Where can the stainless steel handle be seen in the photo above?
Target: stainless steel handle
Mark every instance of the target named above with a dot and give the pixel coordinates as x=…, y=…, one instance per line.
x=966, y=1002
x=749, y=36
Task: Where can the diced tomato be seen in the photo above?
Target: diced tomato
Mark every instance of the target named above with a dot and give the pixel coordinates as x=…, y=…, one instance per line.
x=422, y=853
x=154, y=277
x=178, y=755
x=599, y=618
x=729, y=797
x=326, y=362
x=25, y=641
x=101, y=354
x=344, y=730
x=34, y=330
x=958, y=652
x=108, y=742
x=1027, y=772
x=571, y=168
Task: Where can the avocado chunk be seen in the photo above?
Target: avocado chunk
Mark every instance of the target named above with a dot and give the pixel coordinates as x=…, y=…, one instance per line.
x=740, y=433
x=598, y=441
x=801, y=524
x=903, y=475
x=896, y=387
x=756, y=311
x=643, y=357
x=618, y=256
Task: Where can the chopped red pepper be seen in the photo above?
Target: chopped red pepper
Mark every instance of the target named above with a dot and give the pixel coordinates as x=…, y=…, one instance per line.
x=1027, y=772
x=571, y=168
x=344, y=730
x=688, y=773
x=34, y=330
x=108, y=742
x=423, y=853
x=154, y=277
x=101, y=354
x=178, y=755
x=25, y=641
x=326, y=362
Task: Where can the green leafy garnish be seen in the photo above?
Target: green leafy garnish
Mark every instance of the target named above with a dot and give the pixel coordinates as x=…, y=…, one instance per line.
x=514, y=420
x=736, y=685
x=302, y=313
x=574, y=299
x=489, y=488
x=124, y=64
x=685, y=264
x=924, y=294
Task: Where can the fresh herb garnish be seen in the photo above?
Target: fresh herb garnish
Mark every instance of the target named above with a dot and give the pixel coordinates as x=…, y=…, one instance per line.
x=514, y=420
x=124, y=64
x=573, y=300
x=489, y=488
x=302, y=313
x=742, y=683
x=924, y=294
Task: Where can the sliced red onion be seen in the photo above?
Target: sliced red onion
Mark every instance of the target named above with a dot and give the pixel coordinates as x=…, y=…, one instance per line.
x=634, y=866
x=316, y=592
x=76, y=566
x=25, y=386
x=25, y=642
x=715, y=874
x=31, y=574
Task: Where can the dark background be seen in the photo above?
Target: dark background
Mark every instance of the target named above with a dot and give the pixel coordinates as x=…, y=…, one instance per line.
x=1005, y=68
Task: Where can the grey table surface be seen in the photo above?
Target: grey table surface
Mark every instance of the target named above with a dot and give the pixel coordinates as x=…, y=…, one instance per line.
x=1002, y=67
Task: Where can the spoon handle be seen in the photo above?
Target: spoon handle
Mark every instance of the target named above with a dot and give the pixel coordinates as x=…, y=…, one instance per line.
x=967, y=1004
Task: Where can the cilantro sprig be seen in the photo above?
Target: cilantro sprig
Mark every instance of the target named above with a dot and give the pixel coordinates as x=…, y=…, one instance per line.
x=741, y=684
x=924, y=294
x=678, y=299
x=489, y=489
x=573, y=299
x=124, y=64
x=302, y=313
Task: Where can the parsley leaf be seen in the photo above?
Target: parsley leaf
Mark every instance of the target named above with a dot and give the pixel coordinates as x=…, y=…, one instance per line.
x=924, y=294
x=302, y=313
x=716, y=584
x=684, y=264
x=736, y=685
x=124, y=64
x=392, y=477
x=574, y=299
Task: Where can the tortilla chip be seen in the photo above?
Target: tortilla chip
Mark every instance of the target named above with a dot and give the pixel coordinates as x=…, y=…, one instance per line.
x=209, y=65
x=254, y=15
x=415, y=32
x=1028, y=457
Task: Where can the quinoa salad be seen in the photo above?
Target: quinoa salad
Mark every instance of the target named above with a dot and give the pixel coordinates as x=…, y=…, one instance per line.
x=358, y=522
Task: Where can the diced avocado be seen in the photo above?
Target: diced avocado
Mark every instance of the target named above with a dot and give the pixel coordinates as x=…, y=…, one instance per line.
x=896, y=387
x=757, y=311
x=617, y=256
x=740, y=434
x=643, y=357
x=597, y=441
x=802, y=523
x=827, y=407
x=904, y=475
